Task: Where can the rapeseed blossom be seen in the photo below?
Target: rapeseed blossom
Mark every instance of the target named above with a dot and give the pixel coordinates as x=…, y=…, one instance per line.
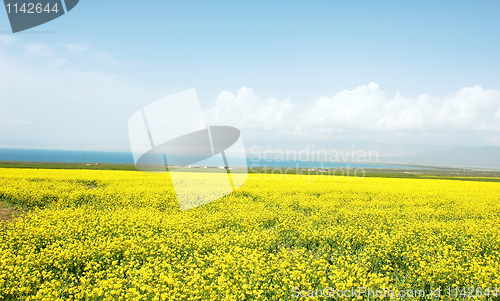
x=119, y=235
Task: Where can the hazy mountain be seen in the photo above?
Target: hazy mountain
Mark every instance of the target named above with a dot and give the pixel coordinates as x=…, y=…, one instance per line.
x=486, y=156
x=352, y=151
x=11, y=143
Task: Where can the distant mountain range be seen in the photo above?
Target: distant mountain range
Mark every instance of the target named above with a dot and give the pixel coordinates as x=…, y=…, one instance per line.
x=411, y=154
x=486, y=156
x=20, y=143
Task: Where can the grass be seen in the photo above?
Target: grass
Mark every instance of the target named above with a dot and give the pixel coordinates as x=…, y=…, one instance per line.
x=425, y=173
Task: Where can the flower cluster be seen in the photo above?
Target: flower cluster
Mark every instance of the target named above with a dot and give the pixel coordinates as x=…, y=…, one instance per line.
x=119, y=235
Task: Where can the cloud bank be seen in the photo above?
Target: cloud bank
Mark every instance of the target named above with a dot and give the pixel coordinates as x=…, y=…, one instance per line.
x=66, y=95
x=366, y=110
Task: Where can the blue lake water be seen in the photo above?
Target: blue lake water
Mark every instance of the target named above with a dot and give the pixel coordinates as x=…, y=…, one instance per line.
x=74, y=156
x=45, y=155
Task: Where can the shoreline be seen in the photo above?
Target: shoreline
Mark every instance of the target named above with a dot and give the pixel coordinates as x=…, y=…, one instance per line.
x=424, y=173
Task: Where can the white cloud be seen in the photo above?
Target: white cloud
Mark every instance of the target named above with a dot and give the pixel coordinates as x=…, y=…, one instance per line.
x=76, y=47
x=248, y=111
x=366, y=109
x=6, y=39
x=15, y=122
x=38, y=49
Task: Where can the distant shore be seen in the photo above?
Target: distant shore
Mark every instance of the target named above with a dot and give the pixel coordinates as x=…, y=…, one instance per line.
x=428, y=172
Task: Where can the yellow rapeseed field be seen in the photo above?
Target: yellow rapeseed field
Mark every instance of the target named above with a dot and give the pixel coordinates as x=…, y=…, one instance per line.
x=119, y=235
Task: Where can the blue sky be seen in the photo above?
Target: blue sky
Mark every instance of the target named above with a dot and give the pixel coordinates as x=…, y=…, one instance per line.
x=81, y=76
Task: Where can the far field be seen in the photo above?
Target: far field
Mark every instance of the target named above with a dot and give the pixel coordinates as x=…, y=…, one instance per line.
x=425, y=172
